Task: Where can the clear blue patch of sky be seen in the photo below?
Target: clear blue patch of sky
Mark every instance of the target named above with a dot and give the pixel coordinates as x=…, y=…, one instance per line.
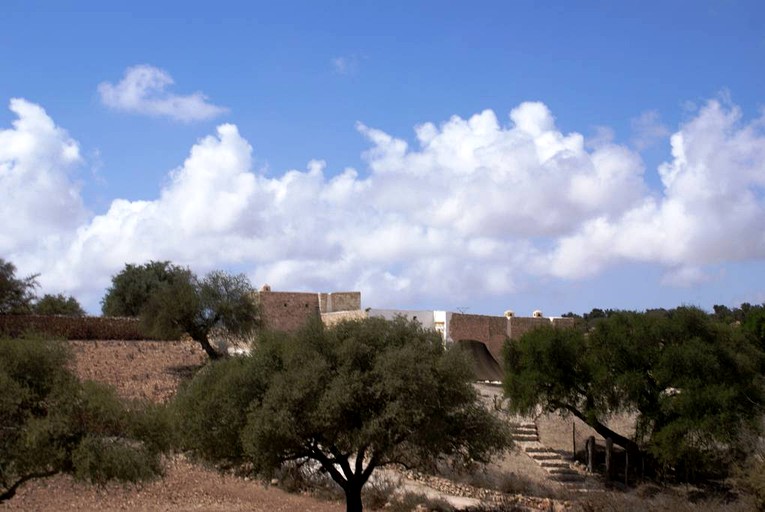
x=593, y=63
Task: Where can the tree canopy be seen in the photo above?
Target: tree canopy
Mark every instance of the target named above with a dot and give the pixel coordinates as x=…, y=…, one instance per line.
x=187, y=304
x=694, y=383
x=352, y=398
x=58, y=304
x=52, y=423
x=16, y=294
x=134, y=285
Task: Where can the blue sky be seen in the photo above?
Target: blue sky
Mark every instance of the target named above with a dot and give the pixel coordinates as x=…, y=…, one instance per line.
x=488, y=155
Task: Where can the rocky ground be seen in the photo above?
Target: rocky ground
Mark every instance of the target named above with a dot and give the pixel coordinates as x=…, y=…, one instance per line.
x=153, y=370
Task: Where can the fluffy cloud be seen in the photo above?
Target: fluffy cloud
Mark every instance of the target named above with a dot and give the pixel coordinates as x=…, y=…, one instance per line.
x=142, y=90
x=41, y=204
x=710, y=211
x=471, y=208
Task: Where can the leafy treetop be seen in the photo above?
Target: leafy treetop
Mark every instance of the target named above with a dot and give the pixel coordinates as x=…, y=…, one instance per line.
x=352, y=398
x=134, y=285
x=58, y=305
x=187, y=304
x=695, y=383
x=16, y=294
x=51, y=423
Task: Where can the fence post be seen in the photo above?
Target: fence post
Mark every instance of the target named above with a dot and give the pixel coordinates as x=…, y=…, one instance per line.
x=573, y=439
x=609, y=458
x=591, y=454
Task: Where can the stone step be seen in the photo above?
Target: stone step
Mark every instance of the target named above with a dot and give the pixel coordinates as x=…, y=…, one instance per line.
x=526, y=431
x=544, y=456
x=525, y=437
x=561, y=471
x=568, y=478
x=554, y=464
x=540, y=449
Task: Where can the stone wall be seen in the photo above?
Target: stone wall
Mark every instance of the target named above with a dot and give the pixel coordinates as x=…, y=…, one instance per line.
x=338, y=316
x=490, y=330
x=564, y=323
x=287, y=311
x=73, y=327
x=339, y=301
x=494, y=330
x=518, y=326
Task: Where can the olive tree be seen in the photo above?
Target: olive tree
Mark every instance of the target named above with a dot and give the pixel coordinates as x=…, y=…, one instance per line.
x=134, y=285
x=16, y=294
x=352, y=398
x=52, y=423
x=58, y=304
x=188, y=304
x=694, y=383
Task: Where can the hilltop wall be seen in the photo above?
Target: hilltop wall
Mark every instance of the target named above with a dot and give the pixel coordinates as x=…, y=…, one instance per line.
x=287, y=311
x=490, y=330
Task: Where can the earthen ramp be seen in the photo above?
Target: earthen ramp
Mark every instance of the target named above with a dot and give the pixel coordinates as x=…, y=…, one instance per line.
x=486, y=367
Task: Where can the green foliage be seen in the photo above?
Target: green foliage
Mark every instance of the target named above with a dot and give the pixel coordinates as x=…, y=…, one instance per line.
x=16, y=294
x=691, y=380
x=353, y=397
x=210, y=410
x=52, y=423
x=99, y=460
x=134, y=285
x=190, y=305
x=58, y=305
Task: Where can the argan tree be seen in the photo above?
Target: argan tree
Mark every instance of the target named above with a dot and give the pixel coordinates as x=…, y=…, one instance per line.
x=352, y=398
x=52, y=423
x=58, y=304
x=694, y=383
x=134, y=285
x=16, y=294
x=187, y=304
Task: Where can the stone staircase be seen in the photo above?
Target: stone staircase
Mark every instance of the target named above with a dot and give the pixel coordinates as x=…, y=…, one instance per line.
x=526, y=436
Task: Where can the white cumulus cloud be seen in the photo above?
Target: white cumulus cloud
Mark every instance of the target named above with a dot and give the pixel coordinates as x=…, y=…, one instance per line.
x=711, y=208
x=41, y=202
x=470, y=208
x=142, y=90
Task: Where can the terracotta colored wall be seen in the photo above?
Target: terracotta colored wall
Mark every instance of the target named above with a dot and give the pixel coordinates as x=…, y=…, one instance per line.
x=72, y=327
x=521, y=325
x=339, y=301
x=490, y=330
x=494, y=330
x=339, y=316
x=288, y=311
x=565, y=323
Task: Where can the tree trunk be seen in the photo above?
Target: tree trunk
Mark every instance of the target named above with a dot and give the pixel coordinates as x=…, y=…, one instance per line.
x=353, y=498
x=10, y=492
x=201, y=338
x=605, y=432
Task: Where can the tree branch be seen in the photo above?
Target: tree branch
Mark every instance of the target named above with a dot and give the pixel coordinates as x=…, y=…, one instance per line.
x=11, y=491
x=326, y=463
x=600, y=428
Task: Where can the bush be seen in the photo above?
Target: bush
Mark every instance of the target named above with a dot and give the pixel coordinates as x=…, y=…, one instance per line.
x=51, y=423
x=58, y=305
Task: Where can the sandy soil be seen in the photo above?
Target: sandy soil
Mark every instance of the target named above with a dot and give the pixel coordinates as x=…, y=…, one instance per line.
x=138, y=369
x=185, y=487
